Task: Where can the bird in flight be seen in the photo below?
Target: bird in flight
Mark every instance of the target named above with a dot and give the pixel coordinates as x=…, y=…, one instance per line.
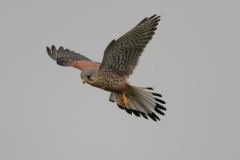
x=119, y=60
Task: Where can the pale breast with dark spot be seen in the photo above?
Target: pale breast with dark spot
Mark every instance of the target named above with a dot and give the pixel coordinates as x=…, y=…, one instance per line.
x=111, y=82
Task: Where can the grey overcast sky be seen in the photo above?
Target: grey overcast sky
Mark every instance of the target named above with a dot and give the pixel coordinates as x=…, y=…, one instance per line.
x=193, y=60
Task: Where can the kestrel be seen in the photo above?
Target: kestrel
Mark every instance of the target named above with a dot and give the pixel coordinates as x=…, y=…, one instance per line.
x=119, y=60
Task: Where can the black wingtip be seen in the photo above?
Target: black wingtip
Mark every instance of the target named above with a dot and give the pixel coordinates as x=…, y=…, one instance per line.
x=51, y=54
x=154, y=17
x=53, y=48
x=48, y=50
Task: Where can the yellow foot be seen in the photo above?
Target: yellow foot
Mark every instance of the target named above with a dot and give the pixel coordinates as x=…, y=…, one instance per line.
x=125, y=99
x=120, y=100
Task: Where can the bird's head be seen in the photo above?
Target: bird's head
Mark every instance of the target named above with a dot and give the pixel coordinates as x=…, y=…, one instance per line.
x=89, y=75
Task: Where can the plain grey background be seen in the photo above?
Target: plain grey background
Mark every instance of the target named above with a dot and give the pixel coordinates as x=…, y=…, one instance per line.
x=193, y=61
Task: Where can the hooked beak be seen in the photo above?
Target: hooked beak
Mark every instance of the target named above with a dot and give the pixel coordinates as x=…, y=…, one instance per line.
x=84, y=80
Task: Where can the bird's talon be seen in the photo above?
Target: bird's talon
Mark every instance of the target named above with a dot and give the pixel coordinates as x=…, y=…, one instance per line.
x=120, y=100
x=125, y=99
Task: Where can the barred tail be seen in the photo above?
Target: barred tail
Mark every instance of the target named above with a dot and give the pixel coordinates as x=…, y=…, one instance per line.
x=142, y=103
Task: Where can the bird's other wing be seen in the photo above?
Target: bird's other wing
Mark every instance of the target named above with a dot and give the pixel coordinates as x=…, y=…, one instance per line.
x=122, y=56
x=65, y=57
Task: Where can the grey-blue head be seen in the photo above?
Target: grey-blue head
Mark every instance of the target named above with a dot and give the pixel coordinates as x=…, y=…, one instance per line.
x=89, y=75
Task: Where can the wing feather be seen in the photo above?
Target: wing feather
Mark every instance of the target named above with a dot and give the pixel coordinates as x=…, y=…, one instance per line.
x=122, y=56
x=65, y=57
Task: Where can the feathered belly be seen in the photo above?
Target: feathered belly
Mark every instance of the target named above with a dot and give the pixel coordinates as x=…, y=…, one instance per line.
x=111, y=83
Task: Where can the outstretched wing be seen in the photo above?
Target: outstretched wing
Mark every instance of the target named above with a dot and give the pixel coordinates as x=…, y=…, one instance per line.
x=121, y=56
x=65, y=57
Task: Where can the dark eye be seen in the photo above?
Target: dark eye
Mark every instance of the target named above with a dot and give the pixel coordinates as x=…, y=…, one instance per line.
x=88, y=77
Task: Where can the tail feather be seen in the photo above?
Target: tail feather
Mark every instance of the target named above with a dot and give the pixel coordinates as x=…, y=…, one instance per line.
x=141, y=110
x=142, y=103
x=157, y=95
x=112, y=97
x=159, y=111
x=150, y=96
x=160, y=107
x=133, y=107
x=149, y=112
x=137, y=110
x=136, y=106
